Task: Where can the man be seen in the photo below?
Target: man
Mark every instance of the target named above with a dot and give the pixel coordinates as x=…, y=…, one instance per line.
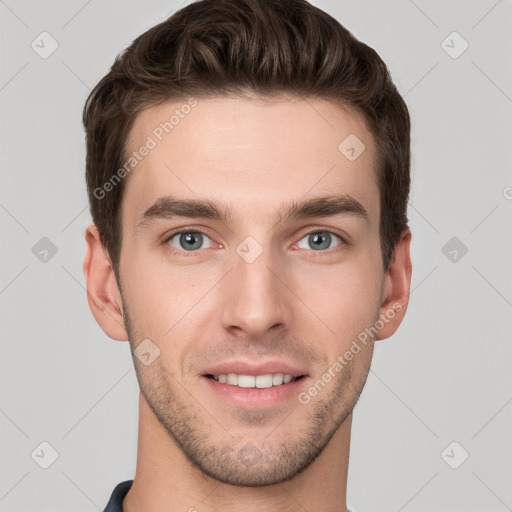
x=248, y=175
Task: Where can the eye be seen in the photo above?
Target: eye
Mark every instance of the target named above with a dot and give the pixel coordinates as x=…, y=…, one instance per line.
x=188, y=240
x=319, y=240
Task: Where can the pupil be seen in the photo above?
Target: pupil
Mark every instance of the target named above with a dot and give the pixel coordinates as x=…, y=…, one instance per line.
x=188, y=239
x=320, y=238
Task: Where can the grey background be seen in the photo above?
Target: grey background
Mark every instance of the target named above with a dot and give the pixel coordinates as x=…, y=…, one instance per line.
x=445, y=376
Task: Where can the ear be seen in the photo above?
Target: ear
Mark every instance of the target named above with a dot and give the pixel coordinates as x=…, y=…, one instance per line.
x=102, y=290
x=396, y=288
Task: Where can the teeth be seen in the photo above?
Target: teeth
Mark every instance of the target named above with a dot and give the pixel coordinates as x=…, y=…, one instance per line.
x=277, y=379
x=232, y=379
x=251, y=381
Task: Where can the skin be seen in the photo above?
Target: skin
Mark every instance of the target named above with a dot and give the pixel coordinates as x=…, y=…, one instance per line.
x=293, y=303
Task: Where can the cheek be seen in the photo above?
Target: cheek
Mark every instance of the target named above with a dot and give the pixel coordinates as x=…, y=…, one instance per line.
x=345, y=298
x=148, y=292
x=164, y=299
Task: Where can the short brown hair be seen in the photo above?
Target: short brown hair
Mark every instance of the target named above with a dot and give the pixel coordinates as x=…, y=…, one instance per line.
x=226, y=47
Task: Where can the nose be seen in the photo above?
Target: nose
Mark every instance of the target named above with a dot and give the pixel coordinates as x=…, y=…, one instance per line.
x=255, y=297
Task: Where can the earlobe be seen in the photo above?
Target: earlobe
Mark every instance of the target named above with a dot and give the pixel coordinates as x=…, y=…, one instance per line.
x=397, y=284
x=102, y=290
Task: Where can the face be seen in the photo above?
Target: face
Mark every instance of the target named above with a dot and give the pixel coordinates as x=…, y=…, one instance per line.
x=251, y=247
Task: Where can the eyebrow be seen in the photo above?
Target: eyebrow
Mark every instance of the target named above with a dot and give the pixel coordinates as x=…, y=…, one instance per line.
x=170, y=207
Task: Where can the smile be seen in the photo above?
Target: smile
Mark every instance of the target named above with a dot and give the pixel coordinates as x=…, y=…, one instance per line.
x=255, y=381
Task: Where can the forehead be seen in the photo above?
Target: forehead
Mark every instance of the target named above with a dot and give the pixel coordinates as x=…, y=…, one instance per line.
x=252, y=153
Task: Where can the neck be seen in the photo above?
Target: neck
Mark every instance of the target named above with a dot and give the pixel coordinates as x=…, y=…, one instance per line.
x=165, y=478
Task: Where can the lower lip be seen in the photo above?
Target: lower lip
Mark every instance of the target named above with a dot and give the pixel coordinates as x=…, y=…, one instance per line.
x=255, y=397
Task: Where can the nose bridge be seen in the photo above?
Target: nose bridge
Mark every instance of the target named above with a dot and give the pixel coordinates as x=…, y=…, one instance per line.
x=255, y=299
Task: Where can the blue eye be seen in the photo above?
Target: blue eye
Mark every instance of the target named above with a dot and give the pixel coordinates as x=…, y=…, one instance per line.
x=319, y=240
x=192, y=241
x=188, y=240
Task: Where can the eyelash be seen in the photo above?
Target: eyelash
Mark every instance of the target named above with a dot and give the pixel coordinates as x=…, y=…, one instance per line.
x=189, y=254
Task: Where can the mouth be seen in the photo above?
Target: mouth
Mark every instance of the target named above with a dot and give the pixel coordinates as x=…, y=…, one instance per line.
x=255, y=385
x=254, y=392
x=264, y=381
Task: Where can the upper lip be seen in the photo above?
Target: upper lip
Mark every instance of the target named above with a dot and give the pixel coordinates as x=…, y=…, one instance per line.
x=248, y=368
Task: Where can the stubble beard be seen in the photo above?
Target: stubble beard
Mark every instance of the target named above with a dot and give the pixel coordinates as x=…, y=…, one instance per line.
x=238, y=461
